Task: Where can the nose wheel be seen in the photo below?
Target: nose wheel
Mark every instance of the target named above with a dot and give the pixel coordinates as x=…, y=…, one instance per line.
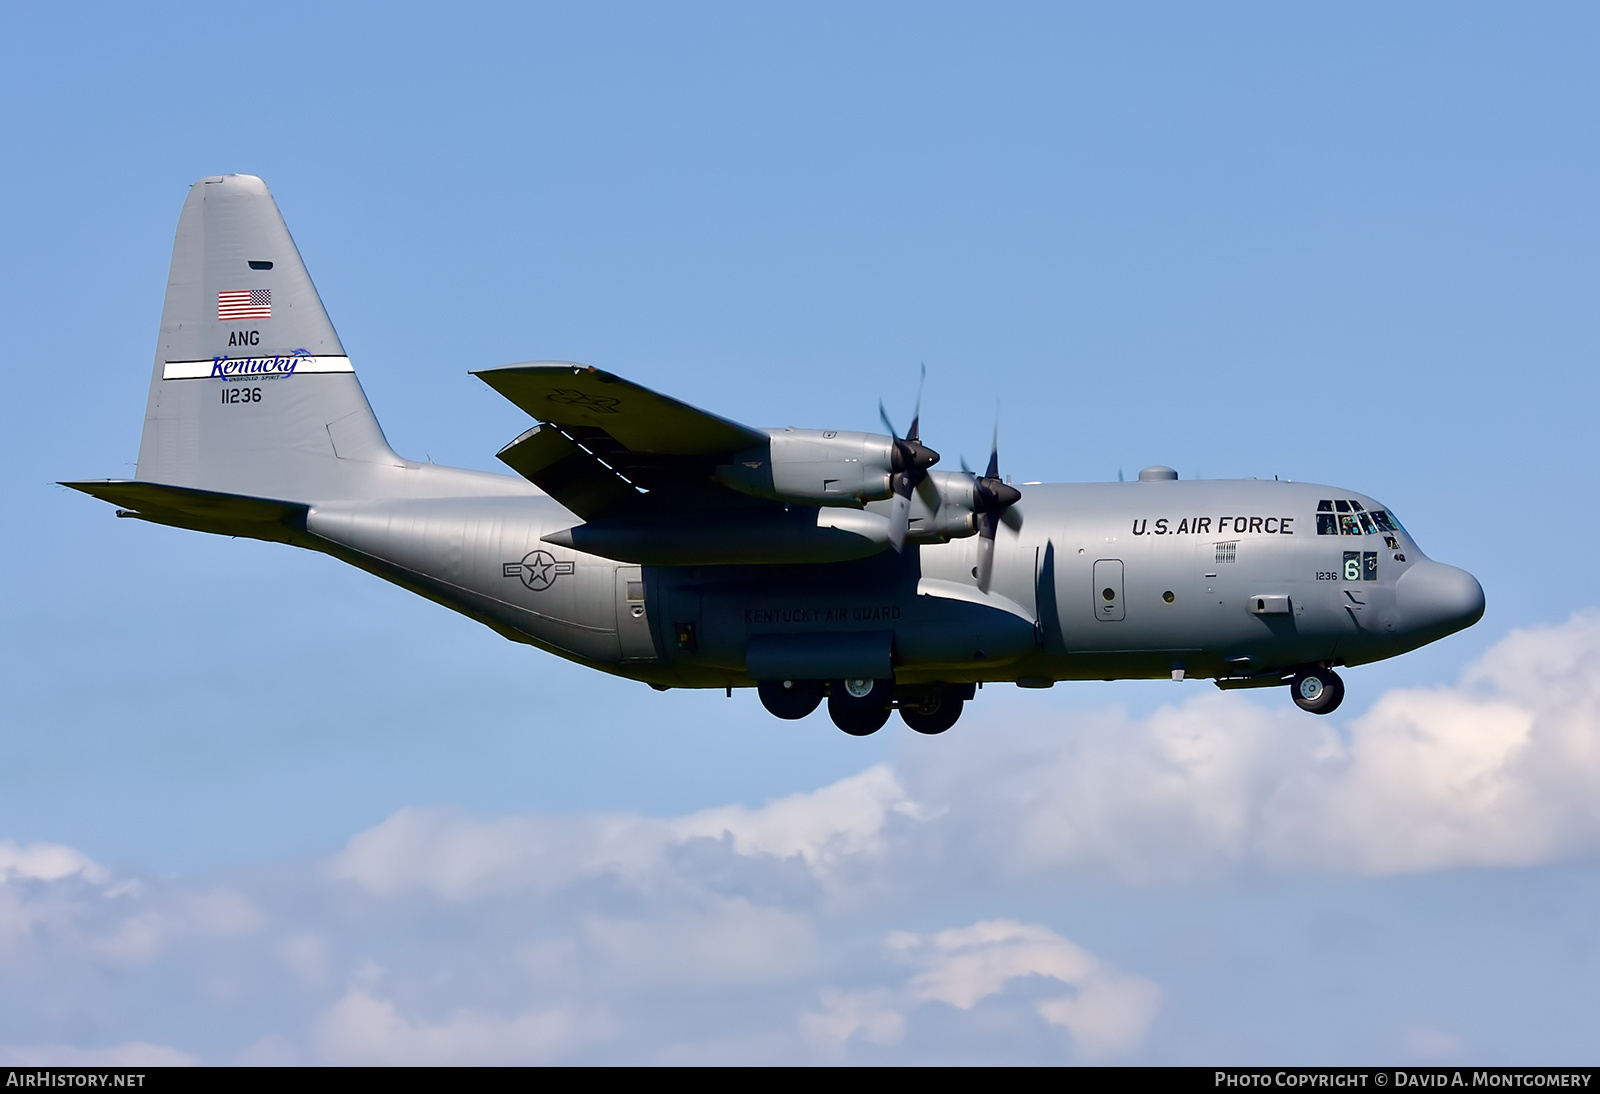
x=1317, y=690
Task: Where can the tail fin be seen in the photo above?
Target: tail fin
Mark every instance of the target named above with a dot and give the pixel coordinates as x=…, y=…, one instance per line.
x=252, y=393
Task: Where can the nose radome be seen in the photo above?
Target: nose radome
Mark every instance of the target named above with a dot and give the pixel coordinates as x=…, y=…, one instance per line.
x=1437, y=599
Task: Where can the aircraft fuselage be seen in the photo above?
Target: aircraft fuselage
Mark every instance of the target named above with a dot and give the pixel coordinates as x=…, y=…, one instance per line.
x=1211, y=578
x=655, y=540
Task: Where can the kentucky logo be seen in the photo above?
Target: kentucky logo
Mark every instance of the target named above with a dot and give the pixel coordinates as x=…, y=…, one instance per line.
x=241, y=368
x=538, y=570
x=600, y=404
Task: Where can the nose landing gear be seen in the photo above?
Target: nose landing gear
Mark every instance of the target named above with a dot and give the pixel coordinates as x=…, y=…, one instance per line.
x=1317, y=690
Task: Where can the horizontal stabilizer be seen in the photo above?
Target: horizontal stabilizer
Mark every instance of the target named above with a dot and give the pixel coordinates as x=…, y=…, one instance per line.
x=201, y=510
x=566, y=472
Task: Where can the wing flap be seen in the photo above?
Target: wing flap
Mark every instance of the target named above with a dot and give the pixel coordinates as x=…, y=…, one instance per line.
x=566, y=472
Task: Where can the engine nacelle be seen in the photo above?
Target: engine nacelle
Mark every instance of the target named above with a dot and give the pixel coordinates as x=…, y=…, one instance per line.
x=815, y=467
x=954, y=519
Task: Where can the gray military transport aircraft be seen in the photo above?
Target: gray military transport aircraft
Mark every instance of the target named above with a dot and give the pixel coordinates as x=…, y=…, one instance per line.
x=649, y=539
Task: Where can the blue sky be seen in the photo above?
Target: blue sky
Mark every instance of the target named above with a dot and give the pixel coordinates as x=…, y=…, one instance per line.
x=1353, y=246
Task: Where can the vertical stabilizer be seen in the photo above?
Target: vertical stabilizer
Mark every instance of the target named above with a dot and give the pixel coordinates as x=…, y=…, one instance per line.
x=252, y=392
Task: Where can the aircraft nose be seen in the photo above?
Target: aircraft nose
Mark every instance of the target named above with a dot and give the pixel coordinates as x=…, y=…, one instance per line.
x=1437, y=600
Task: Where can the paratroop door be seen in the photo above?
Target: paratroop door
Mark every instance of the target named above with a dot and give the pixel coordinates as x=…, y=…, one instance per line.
x=633, y=625
x=1108, y=589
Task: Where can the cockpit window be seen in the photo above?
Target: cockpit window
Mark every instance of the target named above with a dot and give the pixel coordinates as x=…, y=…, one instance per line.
x=1353, y=519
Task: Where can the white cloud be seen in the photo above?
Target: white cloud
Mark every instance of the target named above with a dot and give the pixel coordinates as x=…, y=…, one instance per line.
x=826, y=828
x=1496, y=772
x=722, y=941
x=1107, y=1014
x=871, y=1016
x=46, y=862
x=364, y=1029
x=129, y=1054
x=451, y=854
x=875, y=918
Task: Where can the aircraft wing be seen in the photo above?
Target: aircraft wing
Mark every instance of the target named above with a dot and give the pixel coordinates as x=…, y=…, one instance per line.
x=606, y=439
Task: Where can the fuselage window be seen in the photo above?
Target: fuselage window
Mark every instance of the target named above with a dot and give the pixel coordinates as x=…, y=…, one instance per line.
x=1361, y=565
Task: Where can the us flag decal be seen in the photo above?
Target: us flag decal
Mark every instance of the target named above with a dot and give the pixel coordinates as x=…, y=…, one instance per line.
x=244, y=304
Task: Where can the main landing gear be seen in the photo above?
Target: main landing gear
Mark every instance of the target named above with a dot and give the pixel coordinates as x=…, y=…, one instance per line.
x=790, y=699
x=1317, y=690
x=937, y=711
x=862, y=707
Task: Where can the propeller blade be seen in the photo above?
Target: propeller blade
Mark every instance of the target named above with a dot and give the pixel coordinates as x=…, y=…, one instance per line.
x=883, y=415
x=1011, y=517
x=916, y=410
x=929, y=493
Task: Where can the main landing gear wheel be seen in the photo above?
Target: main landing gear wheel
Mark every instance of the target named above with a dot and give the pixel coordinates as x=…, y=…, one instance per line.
x=860, y=707
x=934, y=715
x=1319, y=691
x=790, y=699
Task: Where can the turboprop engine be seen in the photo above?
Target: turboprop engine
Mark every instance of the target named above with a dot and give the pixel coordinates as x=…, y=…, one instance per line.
x=843, y=495
x=815, y=467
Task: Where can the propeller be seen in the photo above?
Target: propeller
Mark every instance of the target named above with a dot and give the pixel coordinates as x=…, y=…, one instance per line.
x=910, y=462
x=994, y=500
